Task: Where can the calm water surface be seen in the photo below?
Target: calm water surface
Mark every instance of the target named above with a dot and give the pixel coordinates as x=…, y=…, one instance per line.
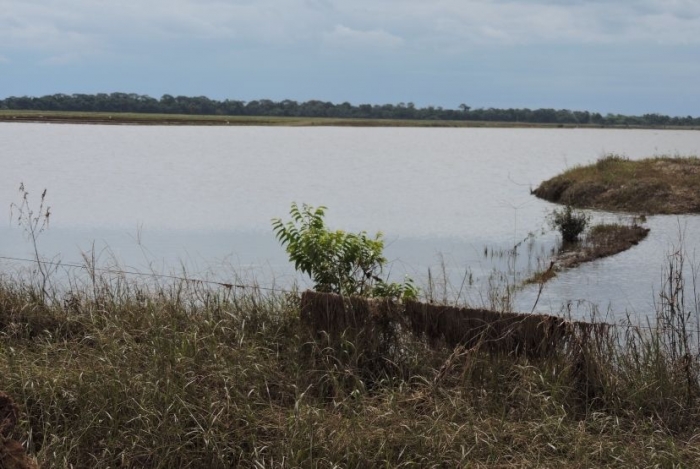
x=448, y=200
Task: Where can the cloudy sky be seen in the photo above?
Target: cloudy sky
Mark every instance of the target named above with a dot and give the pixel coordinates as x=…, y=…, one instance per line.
x=620, y=56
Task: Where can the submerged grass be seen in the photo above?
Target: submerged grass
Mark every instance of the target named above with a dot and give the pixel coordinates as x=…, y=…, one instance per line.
x=660, y=185
x=124, y=374
x=601, y=240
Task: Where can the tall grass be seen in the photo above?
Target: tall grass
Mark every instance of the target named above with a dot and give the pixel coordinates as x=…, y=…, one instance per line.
x=113, y=372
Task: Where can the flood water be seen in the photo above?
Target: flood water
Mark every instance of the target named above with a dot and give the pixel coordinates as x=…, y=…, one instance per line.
x=449, y=201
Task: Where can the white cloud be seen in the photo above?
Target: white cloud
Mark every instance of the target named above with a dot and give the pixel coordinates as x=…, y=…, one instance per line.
x=81, y=26
x=41, y=28
x=532, y=21
x=63, y=59
x=345, y=37
x=88, y=27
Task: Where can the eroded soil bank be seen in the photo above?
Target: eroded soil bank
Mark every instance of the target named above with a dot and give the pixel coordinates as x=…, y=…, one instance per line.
x=664, y=185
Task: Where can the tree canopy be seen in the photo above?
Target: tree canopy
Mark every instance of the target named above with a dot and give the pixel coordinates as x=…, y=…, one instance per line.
x=201, y=105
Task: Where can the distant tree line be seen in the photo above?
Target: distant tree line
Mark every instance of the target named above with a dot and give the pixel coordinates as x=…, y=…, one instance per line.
x=201, y=105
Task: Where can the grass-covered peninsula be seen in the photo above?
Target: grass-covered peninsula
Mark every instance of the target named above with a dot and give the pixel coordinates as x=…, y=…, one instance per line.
x=660, y=185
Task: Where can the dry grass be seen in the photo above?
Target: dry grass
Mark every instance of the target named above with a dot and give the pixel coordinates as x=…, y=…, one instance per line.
x=662, y=185
x=122, y=374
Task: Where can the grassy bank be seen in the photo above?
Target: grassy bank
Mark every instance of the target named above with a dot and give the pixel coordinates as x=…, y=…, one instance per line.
x=121, y=374
x=661, y=185
x=181, y=119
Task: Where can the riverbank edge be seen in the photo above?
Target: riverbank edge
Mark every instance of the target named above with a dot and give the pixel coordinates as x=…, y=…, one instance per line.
x=100, y=118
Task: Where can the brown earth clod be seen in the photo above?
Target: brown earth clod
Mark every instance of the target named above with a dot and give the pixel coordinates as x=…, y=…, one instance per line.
x=12, y=453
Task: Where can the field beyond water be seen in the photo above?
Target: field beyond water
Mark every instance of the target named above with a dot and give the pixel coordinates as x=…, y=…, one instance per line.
x=117, y=373
x=114, y=118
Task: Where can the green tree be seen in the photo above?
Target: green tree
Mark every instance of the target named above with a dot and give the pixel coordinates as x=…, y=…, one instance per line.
x=337, y=261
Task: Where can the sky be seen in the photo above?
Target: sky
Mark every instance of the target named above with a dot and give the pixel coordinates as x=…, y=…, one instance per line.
x=608, y=56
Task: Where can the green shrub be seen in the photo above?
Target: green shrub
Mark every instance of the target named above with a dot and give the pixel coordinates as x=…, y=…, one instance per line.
x=337, y=261
x=570, y=223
